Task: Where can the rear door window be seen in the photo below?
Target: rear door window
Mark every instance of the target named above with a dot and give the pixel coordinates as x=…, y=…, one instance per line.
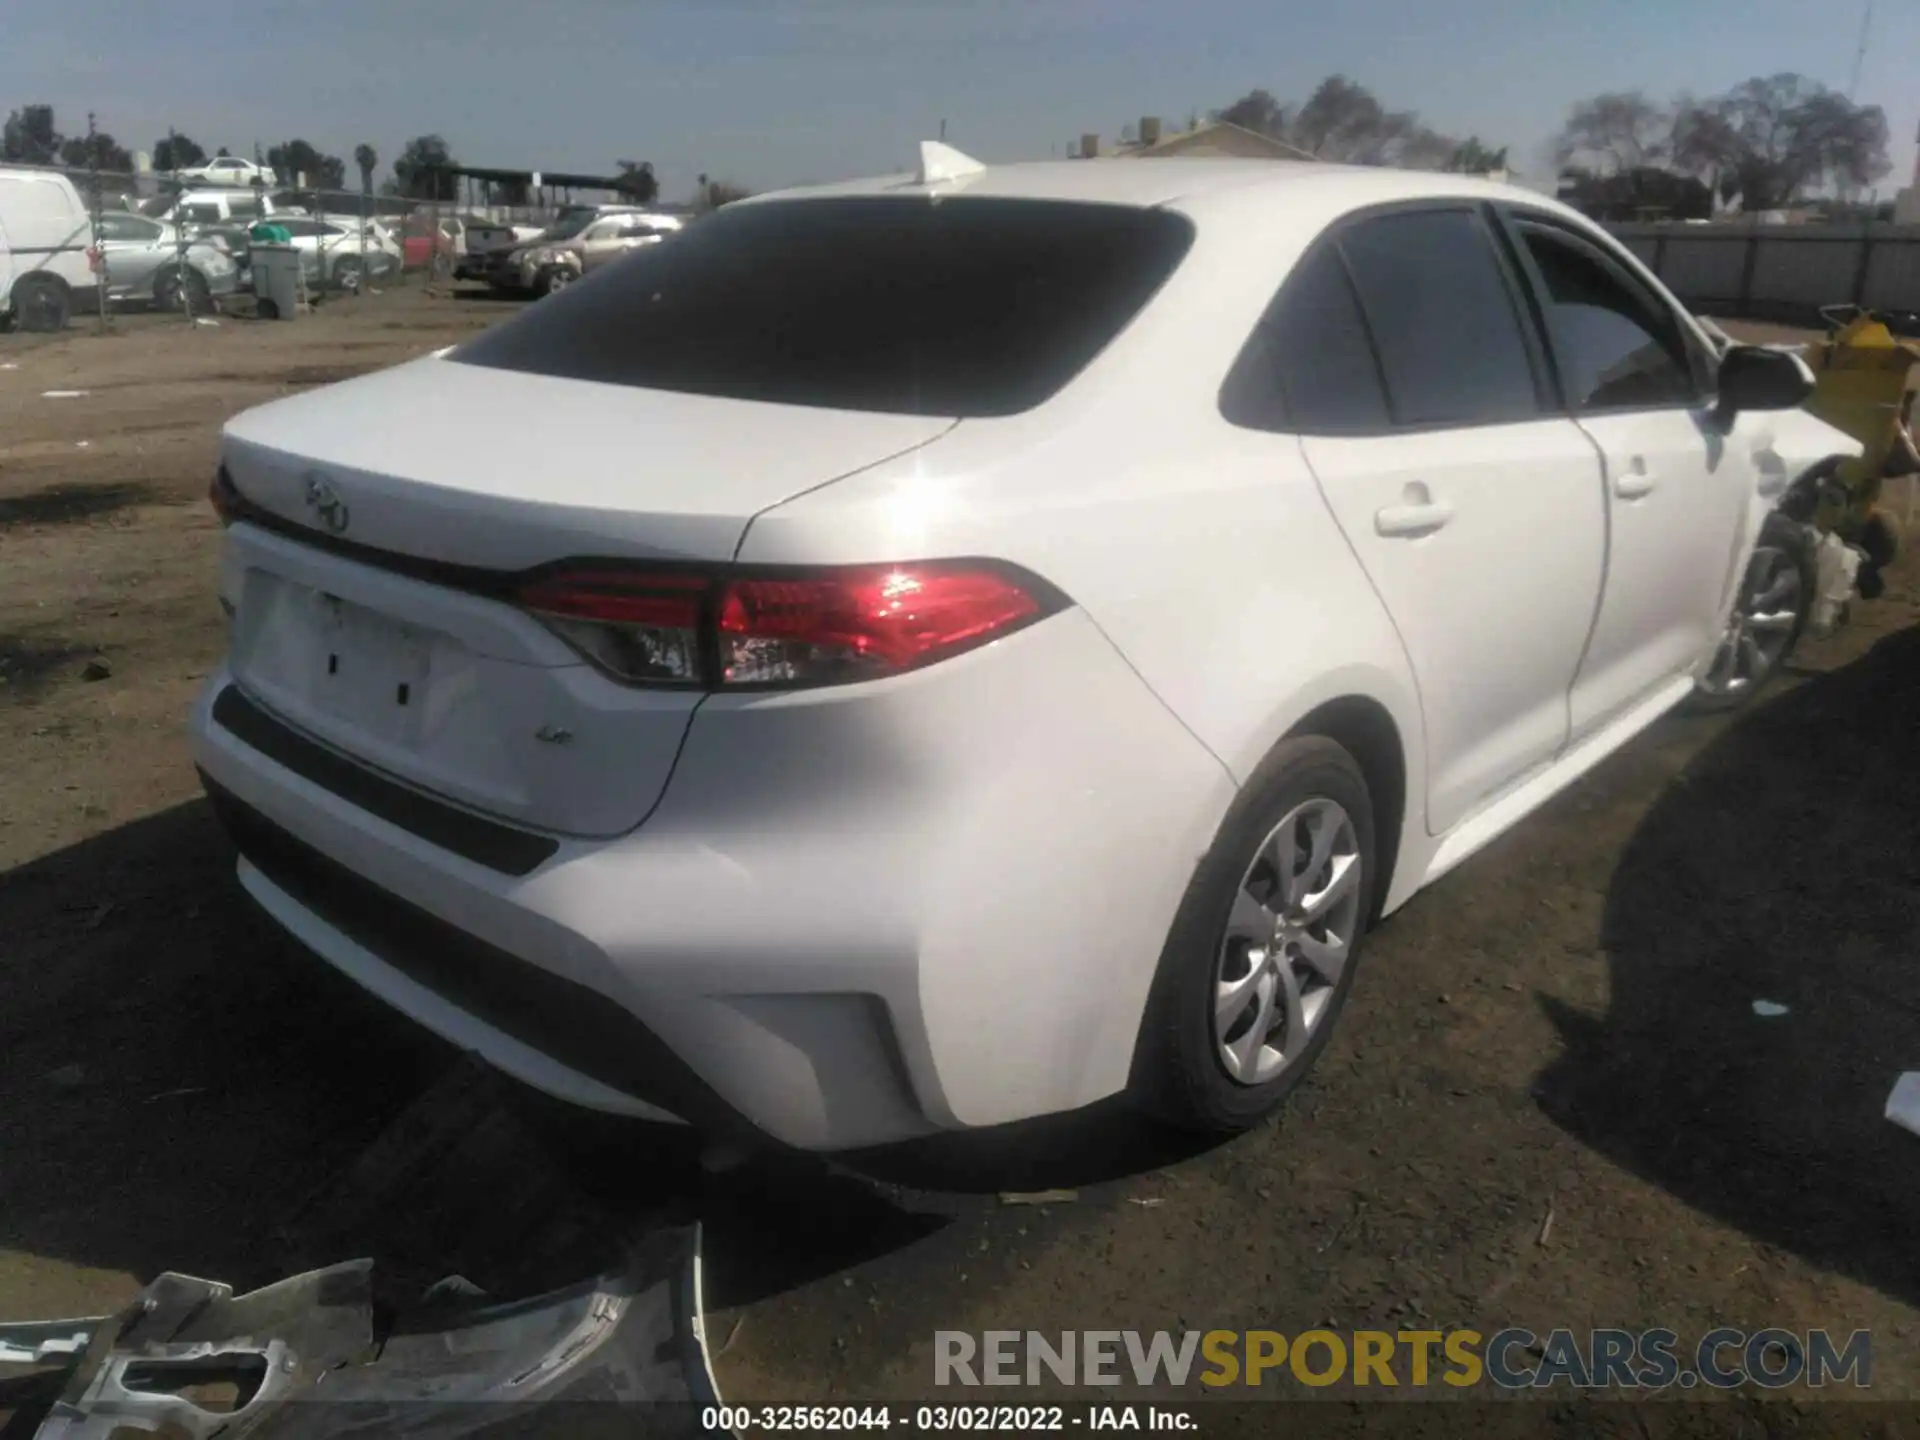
x=1443, y=317
x=962, y=306
x=1309, y=368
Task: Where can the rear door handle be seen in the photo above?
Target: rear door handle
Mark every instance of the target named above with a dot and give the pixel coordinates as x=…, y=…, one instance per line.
x=1632, y=484
x=1411, y=520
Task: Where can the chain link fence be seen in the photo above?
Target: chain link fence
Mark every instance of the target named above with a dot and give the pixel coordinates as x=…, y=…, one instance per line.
x=152, y=240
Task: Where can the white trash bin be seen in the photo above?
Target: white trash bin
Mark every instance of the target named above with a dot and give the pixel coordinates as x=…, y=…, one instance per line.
x=276, y=280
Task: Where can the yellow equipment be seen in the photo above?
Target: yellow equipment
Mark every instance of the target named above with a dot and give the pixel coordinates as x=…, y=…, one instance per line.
x=1865, y=379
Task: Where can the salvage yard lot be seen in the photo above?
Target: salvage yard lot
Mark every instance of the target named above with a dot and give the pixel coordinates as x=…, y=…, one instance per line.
x=1551, y=1102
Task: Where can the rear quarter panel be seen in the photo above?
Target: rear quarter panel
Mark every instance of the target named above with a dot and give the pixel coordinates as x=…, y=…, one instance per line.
x=1203, y=552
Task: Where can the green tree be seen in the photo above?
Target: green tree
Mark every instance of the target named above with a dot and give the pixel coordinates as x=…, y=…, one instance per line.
x=422, y=169
x=176, y=152
x=636, y=181
x=1471, y=157
x=295, y=158
x=95, y=152
x=365, y=158
x=29, y=137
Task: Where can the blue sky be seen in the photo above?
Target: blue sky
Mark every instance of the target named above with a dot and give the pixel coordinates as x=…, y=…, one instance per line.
x=769, y=92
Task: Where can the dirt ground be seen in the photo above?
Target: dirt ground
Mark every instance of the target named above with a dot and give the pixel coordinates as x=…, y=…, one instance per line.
x=1550, y=1103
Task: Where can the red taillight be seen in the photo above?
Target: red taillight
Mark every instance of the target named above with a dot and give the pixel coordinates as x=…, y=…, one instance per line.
x=816, y=627
x=854, y=624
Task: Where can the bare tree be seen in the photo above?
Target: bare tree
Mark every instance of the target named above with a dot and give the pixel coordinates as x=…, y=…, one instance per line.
x=1344, y=121
x=1616, y=132
x=1773, y=138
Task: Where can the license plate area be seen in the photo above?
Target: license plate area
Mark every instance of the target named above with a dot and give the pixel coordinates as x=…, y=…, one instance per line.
x=371, y=672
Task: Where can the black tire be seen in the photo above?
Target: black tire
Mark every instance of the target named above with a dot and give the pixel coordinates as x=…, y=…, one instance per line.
x=168, y=291
x=42, y=304
x=349, y=275
x=1179, y=1073
x=1795, y=544
x=554, y=277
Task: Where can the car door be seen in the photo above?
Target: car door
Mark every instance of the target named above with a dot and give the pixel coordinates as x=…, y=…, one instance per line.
x=129, y=246
x=604, y=241
x=1475, y=509
x=1679, y=491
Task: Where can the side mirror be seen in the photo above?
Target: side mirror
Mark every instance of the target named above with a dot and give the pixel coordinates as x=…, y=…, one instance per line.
x=1753, y=377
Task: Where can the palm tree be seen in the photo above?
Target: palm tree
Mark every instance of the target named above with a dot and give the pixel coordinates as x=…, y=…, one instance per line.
x=366, y=159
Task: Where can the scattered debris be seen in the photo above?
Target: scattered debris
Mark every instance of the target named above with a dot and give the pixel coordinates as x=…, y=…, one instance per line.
x=9, y=365
x=210, y=324
x=635, y=1332
x=82, y=444
x=1038, y=1197
x=64, y=394
x=100, y=913
x=96, y=670
x=1546, y=1229
x=1148, y=1202
x=1769, y=1009
x=1903, y=1105
x=67, y=1077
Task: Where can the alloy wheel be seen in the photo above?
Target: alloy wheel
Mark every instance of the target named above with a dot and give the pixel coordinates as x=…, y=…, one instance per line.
x=1761, y=627
x=1288, y=938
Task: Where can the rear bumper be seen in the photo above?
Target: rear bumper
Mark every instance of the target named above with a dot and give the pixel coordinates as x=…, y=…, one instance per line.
x=856, y=915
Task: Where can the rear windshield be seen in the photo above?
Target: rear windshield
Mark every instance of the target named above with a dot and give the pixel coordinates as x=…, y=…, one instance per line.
x=964, y=307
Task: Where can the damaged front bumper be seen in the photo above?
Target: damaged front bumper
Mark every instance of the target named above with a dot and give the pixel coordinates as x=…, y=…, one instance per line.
x=310, y=1358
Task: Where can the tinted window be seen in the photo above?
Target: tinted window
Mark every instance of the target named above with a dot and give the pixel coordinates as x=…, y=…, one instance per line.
x=1443, y=319
x=1309, y=368
x=910, y=305
x=1614, y=345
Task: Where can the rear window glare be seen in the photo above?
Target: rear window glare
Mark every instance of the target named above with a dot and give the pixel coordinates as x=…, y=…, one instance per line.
x=963, y=307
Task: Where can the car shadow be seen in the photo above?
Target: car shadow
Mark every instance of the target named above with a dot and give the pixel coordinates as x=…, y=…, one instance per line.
x=68, y=503
x=1783, y=866
x=182, y=1087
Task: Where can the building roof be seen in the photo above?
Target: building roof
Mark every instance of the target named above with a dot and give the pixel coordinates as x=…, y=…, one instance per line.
x=1169, y=144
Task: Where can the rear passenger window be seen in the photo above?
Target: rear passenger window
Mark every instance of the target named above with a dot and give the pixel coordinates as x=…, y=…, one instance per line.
x=1616, y=347
x=1443, y=318
x=1308, y=368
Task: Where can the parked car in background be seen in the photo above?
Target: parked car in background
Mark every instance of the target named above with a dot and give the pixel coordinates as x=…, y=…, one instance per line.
x=145, y=260
x=339, y=251
x=44, y=234
x=577, y=244
x=227, y=170
x=1049, y=619
x=198, y=209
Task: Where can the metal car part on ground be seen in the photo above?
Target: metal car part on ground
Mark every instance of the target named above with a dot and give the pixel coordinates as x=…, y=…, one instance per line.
x=312, y=1357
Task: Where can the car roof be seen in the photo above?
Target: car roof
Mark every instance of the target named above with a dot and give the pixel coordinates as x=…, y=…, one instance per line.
x=1189, y=183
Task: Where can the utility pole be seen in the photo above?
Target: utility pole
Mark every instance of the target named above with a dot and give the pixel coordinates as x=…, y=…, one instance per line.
x=1860, y=55
x=97, y=258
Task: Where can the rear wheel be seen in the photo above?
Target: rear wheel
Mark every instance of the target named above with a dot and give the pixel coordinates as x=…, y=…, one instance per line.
x=169, y=293
x=1263, y=952
x=1769, y=614
x=41, y=303
x=348, y=275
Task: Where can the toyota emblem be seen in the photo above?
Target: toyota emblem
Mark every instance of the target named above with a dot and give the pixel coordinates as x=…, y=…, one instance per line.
x=325, y=503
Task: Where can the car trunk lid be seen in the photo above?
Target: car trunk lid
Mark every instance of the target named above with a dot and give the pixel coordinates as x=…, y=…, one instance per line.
x=373, y=601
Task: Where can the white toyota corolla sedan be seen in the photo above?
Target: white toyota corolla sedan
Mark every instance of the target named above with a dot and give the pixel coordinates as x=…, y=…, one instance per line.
x=931, y=651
